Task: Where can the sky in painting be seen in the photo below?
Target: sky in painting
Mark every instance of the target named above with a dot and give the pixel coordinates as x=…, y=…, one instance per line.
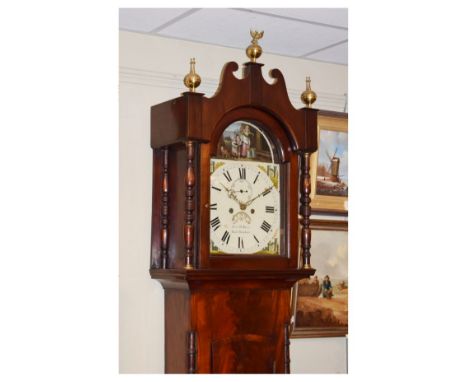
x=329, y=254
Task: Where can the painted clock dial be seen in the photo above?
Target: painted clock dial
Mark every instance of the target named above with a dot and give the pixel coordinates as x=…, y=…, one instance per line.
x=244, y=207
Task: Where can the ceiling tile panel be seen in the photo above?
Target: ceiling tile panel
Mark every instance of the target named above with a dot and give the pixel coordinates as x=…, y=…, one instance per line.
x=228, y=27
x=336, y=54
x=330, y=16
x=147, y=19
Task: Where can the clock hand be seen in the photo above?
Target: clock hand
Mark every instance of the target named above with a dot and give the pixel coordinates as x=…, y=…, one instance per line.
x=231, y=194
x=260, y=194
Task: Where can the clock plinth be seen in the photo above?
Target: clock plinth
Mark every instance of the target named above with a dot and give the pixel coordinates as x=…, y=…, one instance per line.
x=229, y=180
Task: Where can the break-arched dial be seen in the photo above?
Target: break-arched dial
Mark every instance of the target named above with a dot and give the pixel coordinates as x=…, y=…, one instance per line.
x=244, y=207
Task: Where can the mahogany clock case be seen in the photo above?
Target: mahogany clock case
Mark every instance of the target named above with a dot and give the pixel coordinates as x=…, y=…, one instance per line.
x=227, y=313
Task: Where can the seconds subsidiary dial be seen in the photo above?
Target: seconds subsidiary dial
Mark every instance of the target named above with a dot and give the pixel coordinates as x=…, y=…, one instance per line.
x=244, y=207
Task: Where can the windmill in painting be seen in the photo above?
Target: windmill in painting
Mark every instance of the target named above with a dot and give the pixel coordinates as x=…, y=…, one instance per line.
x=332, y=170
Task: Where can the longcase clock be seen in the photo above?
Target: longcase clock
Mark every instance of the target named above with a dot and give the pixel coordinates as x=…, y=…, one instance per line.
x=230, y=177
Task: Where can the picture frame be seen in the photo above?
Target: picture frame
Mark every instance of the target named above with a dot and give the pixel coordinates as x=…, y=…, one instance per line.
x=316, y=311
x=329, y=164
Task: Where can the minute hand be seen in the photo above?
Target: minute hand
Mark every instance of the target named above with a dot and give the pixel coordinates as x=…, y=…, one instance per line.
x=260, y=194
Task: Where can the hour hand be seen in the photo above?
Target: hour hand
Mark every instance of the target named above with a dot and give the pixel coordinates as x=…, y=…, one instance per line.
x=231, y=194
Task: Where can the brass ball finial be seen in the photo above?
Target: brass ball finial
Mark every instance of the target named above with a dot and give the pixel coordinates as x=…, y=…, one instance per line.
x=254, y=50
x=308, y=96
x=192, y=80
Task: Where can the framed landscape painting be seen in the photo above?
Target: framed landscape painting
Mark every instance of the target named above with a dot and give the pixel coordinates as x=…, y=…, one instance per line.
x=329, y=165
x=320, y=303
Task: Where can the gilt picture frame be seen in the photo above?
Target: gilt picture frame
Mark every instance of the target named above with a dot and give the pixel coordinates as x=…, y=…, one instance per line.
x=329, y=164
x=320, y=303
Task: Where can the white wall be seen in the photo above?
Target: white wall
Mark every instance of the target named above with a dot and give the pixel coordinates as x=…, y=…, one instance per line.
x=151, y=71
x=318, y=355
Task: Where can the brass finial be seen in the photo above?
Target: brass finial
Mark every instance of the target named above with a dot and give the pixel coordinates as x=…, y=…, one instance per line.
x=308, y=96
x=192, y=80
x=254, y=50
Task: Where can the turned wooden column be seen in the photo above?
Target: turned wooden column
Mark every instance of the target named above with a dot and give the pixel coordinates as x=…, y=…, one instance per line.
x=164, y=207
x=305, y=209
x=189, y=205
x=192, y=352
x=287, y=359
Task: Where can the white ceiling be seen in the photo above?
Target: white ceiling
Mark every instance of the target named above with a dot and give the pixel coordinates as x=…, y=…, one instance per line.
x=319, y=34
